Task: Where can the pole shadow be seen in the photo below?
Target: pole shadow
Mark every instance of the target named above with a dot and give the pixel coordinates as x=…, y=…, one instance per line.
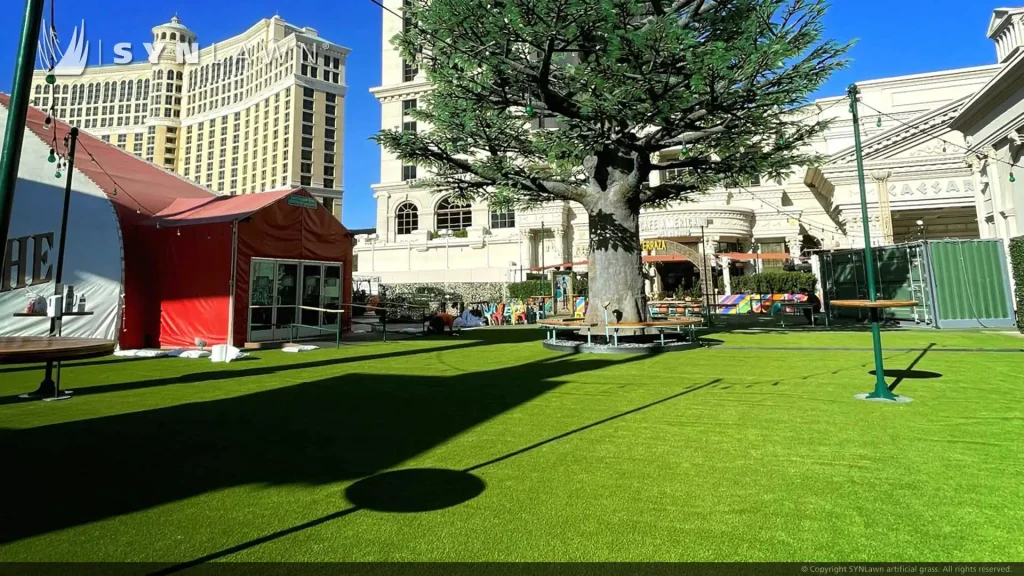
x=909, y=373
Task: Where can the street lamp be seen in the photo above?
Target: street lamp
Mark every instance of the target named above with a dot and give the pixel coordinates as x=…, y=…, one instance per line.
x=922, y=229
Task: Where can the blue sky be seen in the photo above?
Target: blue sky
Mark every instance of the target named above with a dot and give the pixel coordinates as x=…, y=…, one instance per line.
x=896, y=37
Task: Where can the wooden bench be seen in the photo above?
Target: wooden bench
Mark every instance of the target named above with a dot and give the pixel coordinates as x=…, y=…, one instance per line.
x=553, y=326
x=678, y=323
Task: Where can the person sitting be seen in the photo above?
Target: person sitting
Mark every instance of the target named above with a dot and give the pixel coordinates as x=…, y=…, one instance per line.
x=812, y=299
x=470, y=318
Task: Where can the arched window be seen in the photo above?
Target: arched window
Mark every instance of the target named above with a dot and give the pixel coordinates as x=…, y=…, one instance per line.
x=65, y=90
x=163, y=35
x=90, y=93
x=159, y=74
x=453, y=215
x=407, y=218
x=138, y=89
x=123, y=93
x=131, y=86
x=174, y=36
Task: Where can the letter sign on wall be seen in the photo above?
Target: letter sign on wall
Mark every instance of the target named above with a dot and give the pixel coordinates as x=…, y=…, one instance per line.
x=17, y=263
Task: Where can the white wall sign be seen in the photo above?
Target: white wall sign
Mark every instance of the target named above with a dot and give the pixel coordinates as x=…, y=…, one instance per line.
x=933, y=188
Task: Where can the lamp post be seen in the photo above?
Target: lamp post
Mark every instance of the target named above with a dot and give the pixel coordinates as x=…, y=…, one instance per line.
x=10, y=157
x=881, y=388
x=922, y=229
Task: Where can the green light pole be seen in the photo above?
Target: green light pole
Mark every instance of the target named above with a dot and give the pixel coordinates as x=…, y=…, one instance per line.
x=881, y=388
x=17, y=113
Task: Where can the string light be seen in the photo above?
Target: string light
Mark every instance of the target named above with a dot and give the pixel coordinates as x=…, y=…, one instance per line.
x=945, y=142
x=879, y=123
x=53, y=156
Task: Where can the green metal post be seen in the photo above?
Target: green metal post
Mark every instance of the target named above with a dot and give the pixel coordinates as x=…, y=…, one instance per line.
x=881, y=388
x=17, y=113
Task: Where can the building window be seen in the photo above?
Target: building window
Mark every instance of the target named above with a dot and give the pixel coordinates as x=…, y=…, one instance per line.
x=503, y=219
x=409, y=71
x=407, y=218
x=453, y=215
x=409, y=172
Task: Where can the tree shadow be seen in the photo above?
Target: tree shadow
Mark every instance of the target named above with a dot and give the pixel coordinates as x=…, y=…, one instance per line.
x=607, y=233
x=338, y=428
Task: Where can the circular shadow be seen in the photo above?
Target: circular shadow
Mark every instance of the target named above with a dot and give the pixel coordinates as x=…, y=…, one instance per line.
x=415, y=490
x=910, y=374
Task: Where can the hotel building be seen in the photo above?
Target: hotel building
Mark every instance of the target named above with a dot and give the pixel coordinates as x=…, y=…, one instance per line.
x=919, y=164
x=263, y=110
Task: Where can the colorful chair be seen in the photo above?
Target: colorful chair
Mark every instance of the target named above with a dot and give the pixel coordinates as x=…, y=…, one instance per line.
x=498, y=317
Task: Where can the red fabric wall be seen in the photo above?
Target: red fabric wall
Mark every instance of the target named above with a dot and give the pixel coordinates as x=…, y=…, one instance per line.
x=186, y=291
x=292, y=232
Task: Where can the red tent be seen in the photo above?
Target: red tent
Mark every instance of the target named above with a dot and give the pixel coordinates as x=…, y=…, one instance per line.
x=187, y=252
x=200, y=254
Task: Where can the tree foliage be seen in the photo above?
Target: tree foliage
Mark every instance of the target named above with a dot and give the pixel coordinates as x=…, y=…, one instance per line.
x=624, y=80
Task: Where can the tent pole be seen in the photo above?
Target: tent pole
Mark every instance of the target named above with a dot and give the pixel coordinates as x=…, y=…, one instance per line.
x=234, y=277
x=17, y=115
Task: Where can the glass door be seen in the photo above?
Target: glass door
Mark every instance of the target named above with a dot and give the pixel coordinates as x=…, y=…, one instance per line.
x=312, y=290
x=261, y=301
x=331, y=295
x=287, y=299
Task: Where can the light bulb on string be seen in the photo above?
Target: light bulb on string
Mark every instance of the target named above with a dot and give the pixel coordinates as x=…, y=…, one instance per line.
x=57, y=173
x=179, y=231
x=529, y=107
x=53, y=156
x=51, y=78
x=879, y=123
x=47, y=122
x=1012, y=178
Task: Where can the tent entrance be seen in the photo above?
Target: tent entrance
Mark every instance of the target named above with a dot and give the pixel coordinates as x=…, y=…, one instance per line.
x=280, y=289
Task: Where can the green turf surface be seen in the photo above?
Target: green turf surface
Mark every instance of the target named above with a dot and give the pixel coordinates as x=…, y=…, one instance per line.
x=714, y=454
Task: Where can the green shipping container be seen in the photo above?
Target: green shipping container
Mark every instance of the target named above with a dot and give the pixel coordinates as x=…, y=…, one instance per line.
x=971, y=284
x=901, y=274
x=958, y=283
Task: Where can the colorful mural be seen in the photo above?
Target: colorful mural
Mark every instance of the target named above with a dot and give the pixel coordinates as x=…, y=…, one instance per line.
x=753, y=303
x=580, y=308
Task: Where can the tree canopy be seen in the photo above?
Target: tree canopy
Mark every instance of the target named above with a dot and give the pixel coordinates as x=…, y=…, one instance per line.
x=624, y=80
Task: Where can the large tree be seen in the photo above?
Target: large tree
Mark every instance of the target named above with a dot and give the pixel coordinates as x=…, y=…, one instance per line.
x=719, y=81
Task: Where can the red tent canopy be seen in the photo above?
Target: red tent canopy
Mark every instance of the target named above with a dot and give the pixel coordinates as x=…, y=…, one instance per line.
x=201, y=256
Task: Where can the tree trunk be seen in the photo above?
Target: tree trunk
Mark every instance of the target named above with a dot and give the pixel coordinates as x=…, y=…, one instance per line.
x=616, y=281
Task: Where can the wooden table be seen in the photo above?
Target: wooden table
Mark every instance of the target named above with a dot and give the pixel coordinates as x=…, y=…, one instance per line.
x=874, y=308
x=50, y=349
x=555, y=324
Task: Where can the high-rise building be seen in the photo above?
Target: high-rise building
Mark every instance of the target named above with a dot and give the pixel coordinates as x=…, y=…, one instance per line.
x=260, y=111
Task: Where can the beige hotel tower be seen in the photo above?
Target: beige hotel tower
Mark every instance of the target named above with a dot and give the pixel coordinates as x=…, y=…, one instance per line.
x=261, y=111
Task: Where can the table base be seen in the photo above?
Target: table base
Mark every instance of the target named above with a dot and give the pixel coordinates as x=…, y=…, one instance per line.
x=894, y=400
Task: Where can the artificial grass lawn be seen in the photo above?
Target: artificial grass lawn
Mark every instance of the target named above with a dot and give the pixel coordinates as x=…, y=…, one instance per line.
x=714, y=454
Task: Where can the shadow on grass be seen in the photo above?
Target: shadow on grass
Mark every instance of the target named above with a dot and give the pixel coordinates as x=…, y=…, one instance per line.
x=397, y=349
x=338, y=428
x=416, y=489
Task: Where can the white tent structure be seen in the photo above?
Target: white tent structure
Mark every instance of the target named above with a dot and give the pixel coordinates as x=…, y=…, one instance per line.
x=93, y=252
